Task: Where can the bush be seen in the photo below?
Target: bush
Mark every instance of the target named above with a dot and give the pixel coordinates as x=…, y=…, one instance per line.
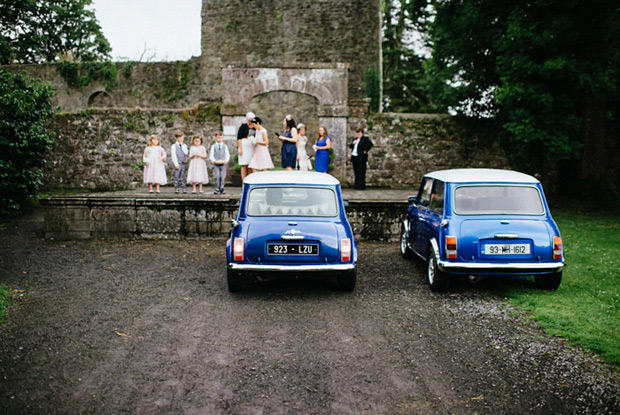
x=25, y=108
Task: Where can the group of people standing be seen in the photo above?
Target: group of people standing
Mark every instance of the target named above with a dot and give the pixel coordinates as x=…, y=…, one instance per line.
x=190, y=166
x=253, y=142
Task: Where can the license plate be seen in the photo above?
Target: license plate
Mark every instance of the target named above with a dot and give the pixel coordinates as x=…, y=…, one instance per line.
x=506, y=249
x=292, y=249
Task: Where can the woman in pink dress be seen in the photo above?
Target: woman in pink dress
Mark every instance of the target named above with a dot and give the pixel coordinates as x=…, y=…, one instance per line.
x=197, y=172
x=154, y=168
x=261, y=159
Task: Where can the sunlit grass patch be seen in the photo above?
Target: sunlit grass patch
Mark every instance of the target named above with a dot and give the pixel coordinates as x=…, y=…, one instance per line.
x=586, y=307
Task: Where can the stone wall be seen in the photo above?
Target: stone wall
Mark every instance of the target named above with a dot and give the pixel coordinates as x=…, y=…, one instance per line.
x=406, y=146
x=287, y=33
x=102, y=149
x=126, y=85
x=85, y=217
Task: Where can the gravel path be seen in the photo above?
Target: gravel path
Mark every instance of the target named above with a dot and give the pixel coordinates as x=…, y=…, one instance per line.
x=148, y=327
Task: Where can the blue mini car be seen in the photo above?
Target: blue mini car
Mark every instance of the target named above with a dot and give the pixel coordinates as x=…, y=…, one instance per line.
x=291, y=223
x=478, y=222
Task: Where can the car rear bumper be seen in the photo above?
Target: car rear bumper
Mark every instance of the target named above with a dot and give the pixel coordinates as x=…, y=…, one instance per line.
x=500, y=268
x=291, y=268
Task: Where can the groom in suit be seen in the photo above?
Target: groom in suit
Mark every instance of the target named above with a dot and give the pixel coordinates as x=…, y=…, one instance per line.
x=359, y=156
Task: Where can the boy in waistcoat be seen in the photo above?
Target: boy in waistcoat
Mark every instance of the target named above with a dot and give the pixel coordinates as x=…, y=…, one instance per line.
x=219, y=156
x=178, y=153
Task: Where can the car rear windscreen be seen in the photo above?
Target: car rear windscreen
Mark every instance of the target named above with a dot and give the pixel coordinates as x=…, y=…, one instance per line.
x=291, y=201
x=490, y=200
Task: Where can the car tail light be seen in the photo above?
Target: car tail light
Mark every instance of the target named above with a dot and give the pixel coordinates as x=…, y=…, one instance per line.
x=345, y=249
x=451, y=247
x=238, y=249
x=557, y=247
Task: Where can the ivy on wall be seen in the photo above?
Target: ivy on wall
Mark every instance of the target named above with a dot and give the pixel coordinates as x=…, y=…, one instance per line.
x=81, y=74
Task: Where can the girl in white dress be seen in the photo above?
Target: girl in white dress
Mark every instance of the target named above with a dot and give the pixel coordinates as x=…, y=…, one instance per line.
x=261, y=159
x=154, y=168
x=303, y=161
x=197, y=172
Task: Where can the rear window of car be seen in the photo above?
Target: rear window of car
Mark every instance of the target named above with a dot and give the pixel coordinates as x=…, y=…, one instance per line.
x=291, y=201
x=490, y=200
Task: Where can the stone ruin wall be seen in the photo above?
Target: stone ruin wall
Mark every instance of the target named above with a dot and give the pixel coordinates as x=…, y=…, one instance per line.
x=291, y=33
x=101, y=148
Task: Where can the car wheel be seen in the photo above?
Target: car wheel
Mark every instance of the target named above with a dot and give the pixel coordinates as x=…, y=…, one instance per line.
x=549, y=282
x=235, y=281
x=404, y=248
x=346, y=281
x=437, y=279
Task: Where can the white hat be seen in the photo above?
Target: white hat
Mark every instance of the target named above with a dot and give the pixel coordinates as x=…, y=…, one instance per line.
x=250, y=115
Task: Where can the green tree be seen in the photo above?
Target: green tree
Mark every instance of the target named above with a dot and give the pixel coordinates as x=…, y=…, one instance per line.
x=25, y=108
x=406, y=86
x=35, y=31
x=545, y=71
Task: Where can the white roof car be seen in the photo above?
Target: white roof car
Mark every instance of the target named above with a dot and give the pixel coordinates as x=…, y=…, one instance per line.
x=481, y=175
x=291, y=177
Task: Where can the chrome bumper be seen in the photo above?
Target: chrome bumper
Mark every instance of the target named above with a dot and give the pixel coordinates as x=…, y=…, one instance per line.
x=291, y=268
x=517, y=267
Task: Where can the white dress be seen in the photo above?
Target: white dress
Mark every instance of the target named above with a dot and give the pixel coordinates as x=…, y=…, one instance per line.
x=261, y=159
x=304, y=160
x=154, y=169
x=197, y=170
x=248, y=145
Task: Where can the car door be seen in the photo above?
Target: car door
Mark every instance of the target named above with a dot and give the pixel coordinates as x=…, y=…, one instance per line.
x=417, y=217
x=431, y=215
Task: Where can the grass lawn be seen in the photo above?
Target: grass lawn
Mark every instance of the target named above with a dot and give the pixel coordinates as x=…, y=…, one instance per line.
x=586, y=307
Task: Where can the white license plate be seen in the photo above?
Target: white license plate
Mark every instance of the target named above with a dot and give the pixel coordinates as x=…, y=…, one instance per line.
x=506, y=249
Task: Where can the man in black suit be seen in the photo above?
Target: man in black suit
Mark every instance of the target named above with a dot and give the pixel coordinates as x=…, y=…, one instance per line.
x=359, y=156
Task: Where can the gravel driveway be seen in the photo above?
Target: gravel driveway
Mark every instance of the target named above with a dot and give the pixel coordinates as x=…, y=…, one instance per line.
x=148, y=327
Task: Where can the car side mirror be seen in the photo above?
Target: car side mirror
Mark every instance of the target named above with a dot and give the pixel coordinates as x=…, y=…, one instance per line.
x=345, y=202
x=412, y=199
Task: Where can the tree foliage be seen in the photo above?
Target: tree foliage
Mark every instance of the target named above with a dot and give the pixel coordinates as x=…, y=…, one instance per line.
x=532, y=66
x=407, y=86
x=35, y=31
x=25, y=108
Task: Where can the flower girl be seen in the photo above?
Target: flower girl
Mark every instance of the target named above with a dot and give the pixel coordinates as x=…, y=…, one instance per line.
x=154, y=168
x=197, y=172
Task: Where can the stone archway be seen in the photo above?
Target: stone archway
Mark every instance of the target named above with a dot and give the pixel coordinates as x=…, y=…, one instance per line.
x=328, y=85
x=100, y=99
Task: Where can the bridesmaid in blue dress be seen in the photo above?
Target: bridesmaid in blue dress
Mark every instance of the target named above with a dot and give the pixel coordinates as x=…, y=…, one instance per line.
x=322, y=146
x=289, y=143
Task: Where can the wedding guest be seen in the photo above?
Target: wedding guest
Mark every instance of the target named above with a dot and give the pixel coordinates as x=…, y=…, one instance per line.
x=246, y=144
x=154, y=168
x=360, y=147
x=219, y=156
x=322, y=146
x=178, y=153
x=197, y=172
x=261, y=159
x=289, y=143
x=303, y=161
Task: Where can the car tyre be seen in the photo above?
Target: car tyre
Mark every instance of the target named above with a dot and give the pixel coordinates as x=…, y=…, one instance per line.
x=404, y=248
x=549, y=282
x=346, y=281
x=235, y=281
x=437, y=279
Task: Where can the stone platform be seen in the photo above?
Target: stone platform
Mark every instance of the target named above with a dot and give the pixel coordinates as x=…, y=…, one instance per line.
x=375, y=214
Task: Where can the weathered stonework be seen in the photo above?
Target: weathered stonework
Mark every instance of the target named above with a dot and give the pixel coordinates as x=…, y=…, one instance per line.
x=84, y=217
x=407, y=146
x=102, y=149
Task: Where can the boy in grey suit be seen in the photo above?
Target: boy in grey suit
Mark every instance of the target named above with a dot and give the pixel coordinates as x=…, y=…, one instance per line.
x=219, y=156
x=179, y=152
